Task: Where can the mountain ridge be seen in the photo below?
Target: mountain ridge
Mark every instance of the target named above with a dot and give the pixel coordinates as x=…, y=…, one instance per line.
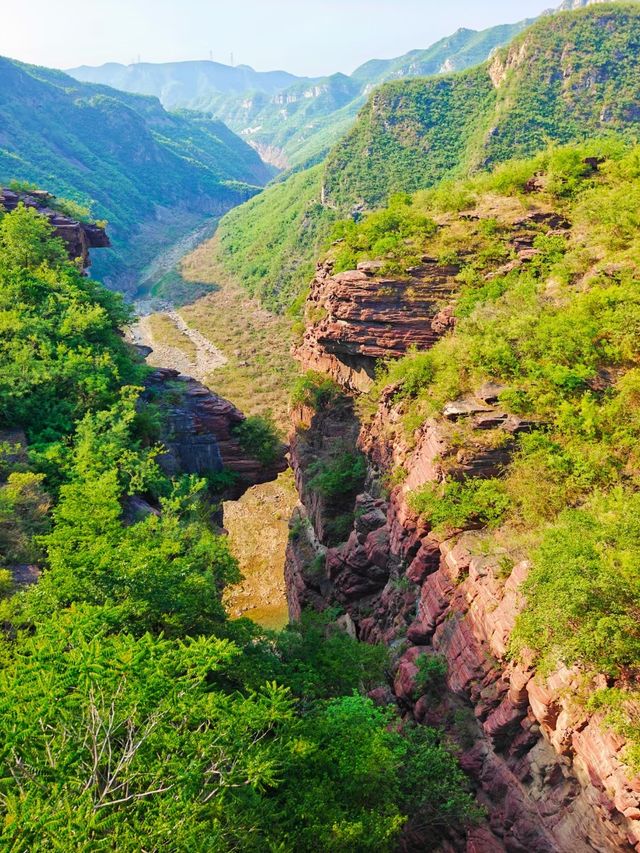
x=298, y=122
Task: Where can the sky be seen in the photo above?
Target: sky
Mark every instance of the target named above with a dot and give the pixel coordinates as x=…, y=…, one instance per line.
x=305, y=37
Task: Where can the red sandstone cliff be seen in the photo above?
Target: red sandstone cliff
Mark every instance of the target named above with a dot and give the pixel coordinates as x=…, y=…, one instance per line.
x=551, y=774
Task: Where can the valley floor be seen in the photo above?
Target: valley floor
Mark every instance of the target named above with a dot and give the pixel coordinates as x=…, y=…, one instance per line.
x=225, y=340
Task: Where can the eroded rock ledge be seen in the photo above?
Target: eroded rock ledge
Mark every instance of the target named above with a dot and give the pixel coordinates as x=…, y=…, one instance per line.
x=359, y=316
x=79, y=237
x=200, y=436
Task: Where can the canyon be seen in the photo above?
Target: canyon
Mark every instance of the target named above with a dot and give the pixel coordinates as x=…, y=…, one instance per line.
x=550, y=773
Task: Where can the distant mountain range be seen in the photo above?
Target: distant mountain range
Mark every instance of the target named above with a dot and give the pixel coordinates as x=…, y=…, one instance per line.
x=148, y=172
x=292, y=120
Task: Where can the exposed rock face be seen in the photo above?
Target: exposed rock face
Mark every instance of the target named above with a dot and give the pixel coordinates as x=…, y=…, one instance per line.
x=364, y=317
x=79, y=237
x=200, y=435
x=549, y=772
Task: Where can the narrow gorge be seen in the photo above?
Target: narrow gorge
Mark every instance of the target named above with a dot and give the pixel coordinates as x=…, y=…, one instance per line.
x=320, y=439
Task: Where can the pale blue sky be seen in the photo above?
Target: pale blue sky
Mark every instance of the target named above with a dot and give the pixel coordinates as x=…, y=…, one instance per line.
x=311, y=37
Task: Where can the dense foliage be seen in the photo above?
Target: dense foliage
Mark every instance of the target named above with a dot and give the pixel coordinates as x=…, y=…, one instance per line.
x=60, y=351
x=559, y=333
x=132, y=711
x=124, y=157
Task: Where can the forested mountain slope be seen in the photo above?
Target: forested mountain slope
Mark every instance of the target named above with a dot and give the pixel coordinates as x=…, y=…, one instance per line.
x=568, y=76
x=123, y=156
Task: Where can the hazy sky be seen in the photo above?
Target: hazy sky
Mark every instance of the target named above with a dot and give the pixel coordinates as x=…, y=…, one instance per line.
x=302, y=36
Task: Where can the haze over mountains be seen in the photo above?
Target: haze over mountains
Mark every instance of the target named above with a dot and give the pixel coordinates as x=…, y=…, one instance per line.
x=292, y=120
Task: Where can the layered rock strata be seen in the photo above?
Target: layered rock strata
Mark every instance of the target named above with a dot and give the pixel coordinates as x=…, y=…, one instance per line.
x=360, y=316
x=551, y=775
x=200, y=434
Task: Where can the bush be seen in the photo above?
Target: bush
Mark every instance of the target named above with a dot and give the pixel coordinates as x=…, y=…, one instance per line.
x=338, y=478
x=431, y=679
x=583, y=589
x=314, y=390
x=259, y=437
x=458, y=506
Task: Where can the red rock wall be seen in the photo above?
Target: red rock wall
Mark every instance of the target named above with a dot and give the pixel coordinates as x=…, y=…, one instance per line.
x=357, y=317
x=550, y=774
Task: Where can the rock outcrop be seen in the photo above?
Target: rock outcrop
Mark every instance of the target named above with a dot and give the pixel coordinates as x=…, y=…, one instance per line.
x=360, y=316
x=200, y=436
x=79, y=237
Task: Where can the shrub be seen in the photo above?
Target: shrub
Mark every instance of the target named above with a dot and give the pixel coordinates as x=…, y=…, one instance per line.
x=339, y=477
x=583, y=589
x=453, y=505
x=431, y=679
x=259, y=437
x=314, y=390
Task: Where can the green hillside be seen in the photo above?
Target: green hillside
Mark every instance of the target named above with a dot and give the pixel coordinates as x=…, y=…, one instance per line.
x=269, y=244
x=123, y=156
x=567, y=77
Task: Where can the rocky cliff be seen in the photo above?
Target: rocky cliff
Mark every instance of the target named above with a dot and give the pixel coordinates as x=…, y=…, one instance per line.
x=79, y=237
x=360, y=316
x=199, y=435
x=549, y=772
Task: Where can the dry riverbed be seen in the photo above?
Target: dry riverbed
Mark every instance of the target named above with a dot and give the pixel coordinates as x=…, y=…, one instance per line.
x=231, y=344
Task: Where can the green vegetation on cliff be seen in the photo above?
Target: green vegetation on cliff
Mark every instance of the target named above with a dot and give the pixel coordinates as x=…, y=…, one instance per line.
x=270, y=243
x=558, y=329
x=565, y=78
x=568, y=77
x=131, y=707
